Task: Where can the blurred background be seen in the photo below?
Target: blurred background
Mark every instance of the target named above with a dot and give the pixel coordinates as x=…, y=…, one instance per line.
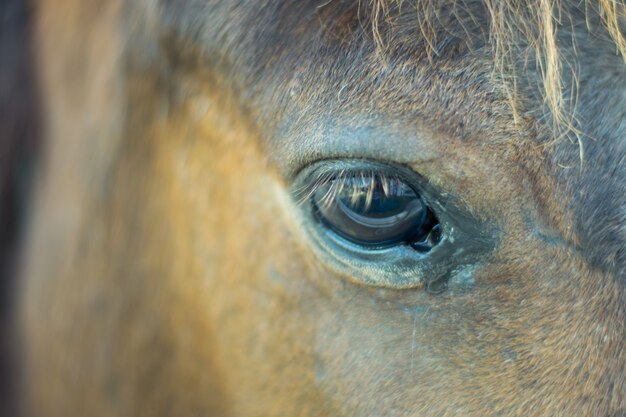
x=19, y=128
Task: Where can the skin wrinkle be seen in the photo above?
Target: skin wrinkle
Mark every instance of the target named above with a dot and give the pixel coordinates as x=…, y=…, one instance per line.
x=190, y=285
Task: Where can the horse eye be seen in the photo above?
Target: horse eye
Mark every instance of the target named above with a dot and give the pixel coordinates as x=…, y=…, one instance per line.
x=376, y=211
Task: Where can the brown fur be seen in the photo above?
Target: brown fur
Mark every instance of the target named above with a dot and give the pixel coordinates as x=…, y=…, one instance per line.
x=168, y=271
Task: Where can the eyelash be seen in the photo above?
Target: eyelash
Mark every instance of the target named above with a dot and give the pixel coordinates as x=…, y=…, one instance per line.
x=356, y=178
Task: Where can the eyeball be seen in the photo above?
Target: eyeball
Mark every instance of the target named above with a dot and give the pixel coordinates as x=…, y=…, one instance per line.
x=375, y=210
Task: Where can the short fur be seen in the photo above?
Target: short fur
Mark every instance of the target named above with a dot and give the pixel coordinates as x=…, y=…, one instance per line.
x=168, y=271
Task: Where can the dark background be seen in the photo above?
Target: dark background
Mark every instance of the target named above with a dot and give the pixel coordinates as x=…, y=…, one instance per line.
x=19, y=144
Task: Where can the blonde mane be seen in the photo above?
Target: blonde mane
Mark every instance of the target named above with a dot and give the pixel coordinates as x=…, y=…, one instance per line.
x=511, y=23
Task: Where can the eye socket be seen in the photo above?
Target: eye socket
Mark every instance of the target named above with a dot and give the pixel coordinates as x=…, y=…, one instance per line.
x=384, y=225
x=375, y=210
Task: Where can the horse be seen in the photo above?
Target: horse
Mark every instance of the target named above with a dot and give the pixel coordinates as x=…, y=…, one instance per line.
x=326, y=208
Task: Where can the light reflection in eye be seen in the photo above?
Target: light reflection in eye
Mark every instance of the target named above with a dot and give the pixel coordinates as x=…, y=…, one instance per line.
x=374, y=210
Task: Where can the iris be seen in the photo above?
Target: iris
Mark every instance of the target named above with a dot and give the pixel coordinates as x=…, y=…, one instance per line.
x=376, y=211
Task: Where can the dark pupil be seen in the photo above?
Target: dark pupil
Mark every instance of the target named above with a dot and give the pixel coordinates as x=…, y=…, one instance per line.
x=374, y=211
